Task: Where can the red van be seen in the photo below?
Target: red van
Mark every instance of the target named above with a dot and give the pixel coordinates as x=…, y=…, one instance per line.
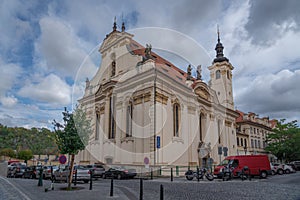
x=259, y=165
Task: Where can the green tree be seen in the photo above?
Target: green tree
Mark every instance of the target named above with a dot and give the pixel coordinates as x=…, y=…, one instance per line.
x=284, y=141
x=8, y=152
x=25, y=155
x=73, y=135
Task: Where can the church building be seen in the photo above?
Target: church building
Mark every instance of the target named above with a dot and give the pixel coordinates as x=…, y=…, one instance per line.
x=145, y=110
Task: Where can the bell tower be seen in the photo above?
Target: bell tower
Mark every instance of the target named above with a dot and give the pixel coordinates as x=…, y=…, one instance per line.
x=221, y=76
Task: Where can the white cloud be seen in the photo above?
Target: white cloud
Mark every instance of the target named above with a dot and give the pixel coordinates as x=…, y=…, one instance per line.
x=51, y=89
x=60, y=47
x=9, y=101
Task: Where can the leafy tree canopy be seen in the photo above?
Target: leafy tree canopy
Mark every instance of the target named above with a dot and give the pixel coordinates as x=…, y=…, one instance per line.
x=284, y=141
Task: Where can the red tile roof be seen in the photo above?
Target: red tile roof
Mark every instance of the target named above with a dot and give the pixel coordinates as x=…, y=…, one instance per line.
x=161, y=64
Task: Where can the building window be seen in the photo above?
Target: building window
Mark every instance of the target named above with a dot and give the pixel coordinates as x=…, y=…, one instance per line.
x=252, y=144
x=201, y=127
x=228, y=74
x=176, y=119
x=245, y=142
x=255, y=142
x=219, y=130
x=218, y=74
x=129, y=119
x=238, y=141
x=251, y=130
x=242, y=142
x=258, y=143
x=112, y=126
x=97, y=126
x=254, y=130
x=113, y=68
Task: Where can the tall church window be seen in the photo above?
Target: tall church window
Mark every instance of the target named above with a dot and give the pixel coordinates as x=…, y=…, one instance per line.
x=219, y=130
x=201, y=127
x=218, y=74
x=97, y=126
x=242, y=142
x=129, y=119
x=112, y=126
x=176, y=119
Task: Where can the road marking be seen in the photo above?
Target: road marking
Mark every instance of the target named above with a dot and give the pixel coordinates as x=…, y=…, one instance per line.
x=22, y=194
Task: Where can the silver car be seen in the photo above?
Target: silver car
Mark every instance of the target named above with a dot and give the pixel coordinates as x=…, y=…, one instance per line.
x=81, y=172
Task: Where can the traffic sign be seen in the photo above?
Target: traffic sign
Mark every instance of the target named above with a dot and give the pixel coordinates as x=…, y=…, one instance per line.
x=146, y=160
x=62, y=159
x=158, y=142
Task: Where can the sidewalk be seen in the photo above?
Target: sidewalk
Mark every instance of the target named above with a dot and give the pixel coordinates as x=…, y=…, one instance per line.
x=27, y=189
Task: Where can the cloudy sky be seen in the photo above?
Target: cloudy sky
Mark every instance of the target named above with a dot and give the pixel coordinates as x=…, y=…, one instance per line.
x=43, y=44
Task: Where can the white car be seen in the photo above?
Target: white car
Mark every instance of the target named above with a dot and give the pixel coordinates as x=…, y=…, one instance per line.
x=288, y=169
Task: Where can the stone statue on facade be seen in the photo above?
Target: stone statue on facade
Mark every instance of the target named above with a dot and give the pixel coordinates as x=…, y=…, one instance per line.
x=148, y=51
x=189, y=73
x=199, y=70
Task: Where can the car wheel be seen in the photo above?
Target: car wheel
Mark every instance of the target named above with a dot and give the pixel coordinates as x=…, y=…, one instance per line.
x=119, y=176
x=273, y=172
x=287, y=171
x=263, y=174
x=280, y=171
x=31, y=176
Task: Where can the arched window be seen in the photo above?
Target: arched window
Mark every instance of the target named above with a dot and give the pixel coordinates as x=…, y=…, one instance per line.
x=97, y=126
x=176, y=119
x=238, y=141
x=218, y=74
x=242, y=142
x=228, y=74
x=111, y=133
x=245, y=142
x=129, y=119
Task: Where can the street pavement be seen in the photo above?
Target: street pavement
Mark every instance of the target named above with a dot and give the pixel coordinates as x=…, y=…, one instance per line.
x=276, y=187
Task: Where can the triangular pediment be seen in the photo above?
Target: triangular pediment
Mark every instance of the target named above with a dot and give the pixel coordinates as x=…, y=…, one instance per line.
x=112, y=39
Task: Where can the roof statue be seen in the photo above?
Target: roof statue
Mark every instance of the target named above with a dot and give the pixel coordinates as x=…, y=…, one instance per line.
x=199, y=70
x=148, y=51
x=189, y=73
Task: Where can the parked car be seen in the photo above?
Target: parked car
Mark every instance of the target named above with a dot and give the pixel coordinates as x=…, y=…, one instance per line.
x=296, y=164
x=259, y=165
x=288, y=169
x=19, y=170
x=278, y=168
x=47, y=171
x=30, y=172
x=83, y=174
x=98, y=170
x=11, y=170
x=119, y=172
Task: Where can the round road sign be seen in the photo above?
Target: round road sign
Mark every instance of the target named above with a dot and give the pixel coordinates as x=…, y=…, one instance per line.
x=62, y=159
x=146, y=160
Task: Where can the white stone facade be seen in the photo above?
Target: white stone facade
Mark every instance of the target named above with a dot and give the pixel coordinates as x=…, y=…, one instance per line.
x=136, y=97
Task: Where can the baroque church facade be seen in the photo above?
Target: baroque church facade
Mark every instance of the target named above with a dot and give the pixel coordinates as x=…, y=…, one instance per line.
x=145, y=110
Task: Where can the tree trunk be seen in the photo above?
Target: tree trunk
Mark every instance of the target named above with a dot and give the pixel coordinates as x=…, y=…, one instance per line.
x=71, y=171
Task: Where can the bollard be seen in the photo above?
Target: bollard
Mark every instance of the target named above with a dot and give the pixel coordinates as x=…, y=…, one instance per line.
x=75, y=181
x=111, y=187
x=91, y=179
x=40, y=183
x=198, y=178
x=151, y=174
x=161, y=192
x=51, y=168
x=141, y=188
x=171, y=174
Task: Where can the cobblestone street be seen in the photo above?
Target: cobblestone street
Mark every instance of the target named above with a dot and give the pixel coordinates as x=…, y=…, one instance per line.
x=277, y=187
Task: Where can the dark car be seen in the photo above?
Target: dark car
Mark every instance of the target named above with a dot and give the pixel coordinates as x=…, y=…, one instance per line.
x=20, y=169
x=119, y=172
x=98, y=170
x=30, y=172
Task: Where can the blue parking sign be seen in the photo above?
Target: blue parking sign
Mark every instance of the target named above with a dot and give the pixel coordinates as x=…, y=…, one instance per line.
x=158, y=142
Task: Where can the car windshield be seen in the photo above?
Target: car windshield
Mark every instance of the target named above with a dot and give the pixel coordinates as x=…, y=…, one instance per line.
x=225, y=162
